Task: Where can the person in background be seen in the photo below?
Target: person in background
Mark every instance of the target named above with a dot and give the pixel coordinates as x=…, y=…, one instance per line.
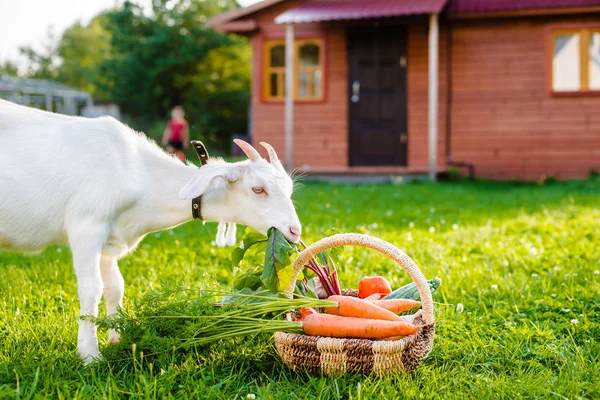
x=177, y=133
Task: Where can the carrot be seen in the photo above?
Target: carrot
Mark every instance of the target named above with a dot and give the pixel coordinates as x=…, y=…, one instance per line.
x=349, y=327
x=396, y=305
x=359, y=308
x=375, y=296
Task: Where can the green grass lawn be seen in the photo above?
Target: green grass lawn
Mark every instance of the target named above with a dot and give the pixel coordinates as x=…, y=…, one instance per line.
x=522, y=259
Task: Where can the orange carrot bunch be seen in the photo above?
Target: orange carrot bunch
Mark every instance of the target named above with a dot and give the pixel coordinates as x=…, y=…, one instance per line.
x=358, y=318
x=350, y=327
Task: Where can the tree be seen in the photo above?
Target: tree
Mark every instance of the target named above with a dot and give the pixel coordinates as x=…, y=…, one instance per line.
x=81, y=50
x=170, y=58
x=155, y=57
x=41, y=64
x=220, y=92
x=9, y=68
x=74, y=59
x=148, y=63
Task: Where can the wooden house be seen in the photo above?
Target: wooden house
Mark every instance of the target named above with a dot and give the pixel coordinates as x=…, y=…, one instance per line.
x=508, y=87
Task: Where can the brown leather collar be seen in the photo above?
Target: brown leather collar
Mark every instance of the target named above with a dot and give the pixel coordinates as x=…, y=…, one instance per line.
x=197, y=207
x=203, y=155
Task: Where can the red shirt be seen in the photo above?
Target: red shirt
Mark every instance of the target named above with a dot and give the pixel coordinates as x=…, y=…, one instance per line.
x=177, y=128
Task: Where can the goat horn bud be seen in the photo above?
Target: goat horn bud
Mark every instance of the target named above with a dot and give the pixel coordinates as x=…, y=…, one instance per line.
x=272, y=154
x=248, y=149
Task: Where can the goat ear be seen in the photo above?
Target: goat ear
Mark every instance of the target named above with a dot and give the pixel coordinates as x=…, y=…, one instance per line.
x=205, y=176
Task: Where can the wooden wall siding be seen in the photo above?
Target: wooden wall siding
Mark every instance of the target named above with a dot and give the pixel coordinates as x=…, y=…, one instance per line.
x=417, y=83
x=320, y=129
x=503, y=118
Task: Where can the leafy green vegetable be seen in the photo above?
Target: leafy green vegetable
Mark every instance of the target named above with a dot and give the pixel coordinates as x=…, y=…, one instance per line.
x=276, y=272
x=285, y=276
x=249, y=279
x=277, y=258
x=311, y=289
x=250, y=239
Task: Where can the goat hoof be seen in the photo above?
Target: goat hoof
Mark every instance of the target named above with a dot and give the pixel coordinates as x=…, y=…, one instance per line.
x=92, y=360
x=89, y=359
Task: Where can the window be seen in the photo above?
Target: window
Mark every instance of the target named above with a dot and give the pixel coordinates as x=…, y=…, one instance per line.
x=275, y=71
x=576, y=60
x=308, y=69
x=594, y=61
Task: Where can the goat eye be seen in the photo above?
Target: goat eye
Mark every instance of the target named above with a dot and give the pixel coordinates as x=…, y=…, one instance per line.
x=258, y=190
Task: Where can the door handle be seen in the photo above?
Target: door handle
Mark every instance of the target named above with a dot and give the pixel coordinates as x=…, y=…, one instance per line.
x=403, y=138
x=355, y=92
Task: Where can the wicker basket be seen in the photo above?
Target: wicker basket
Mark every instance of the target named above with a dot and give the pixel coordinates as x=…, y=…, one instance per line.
x=333, y=356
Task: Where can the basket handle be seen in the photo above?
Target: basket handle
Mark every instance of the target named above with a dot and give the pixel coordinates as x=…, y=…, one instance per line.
x=385, y=248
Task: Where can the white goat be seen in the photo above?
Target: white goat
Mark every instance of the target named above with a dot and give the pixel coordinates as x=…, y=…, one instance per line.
x=100, y=187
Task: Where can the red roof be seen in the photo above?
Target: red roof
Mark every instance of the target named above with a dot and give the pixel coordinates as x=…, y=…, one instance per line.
x=457, y=6
x=324, y=10
x=358, y=9
x=241, y=12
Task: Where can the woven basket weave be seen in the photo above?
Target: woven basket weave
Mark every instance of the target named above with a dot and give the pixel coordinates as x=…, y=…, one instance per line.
x=333, y=356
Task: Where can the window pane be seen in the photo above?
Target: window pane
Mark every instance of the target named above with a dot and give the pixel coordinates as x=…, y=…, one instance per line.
x=274, y=85
x=317, y=84
x=303, y=84
x=278, y=56
x=309, y=55
x=566, y=67
x=594, y=62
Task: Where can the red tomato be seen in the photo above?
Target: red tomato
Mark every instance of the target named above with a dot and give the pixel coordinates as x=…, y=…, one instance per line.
x=305, y=312
x=373, y=284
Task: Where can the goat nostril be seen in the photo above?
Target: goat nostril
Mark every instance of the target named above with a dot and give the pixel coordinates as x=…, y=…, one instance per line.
x=295, y=231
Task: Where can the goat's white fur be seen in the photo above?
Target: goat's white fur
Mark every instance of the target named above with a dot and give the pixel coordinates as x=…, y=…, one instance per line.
x=220, y=240
x=226, y=234
x=230, y=238
x=100, y=187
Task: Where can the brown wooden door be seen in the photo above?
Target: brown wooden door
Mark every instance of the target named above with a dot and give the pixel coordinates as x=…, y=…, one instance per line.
x=377, y=95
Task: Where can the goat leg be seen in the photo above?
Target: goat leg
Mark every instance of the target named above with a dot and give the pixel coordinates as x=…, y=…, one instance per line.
x=86, y=240
x=114, y=288
x=220, y=239
x=231, y=232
